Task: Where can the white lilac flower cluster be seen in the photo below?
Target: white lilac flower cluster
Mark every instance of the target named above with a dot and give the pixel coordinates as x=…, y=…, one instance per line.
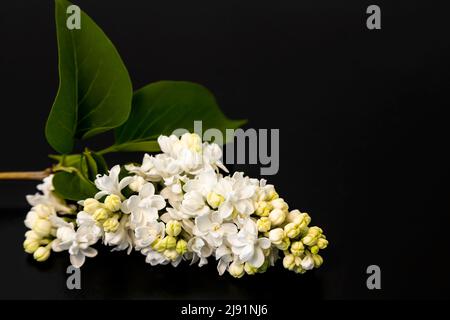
x=177, y=206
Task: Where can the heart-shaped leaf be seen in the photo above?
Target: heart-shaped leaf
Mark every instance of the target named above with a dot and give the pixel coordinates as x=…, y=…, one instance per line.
x=161, y=107
x=95, y=90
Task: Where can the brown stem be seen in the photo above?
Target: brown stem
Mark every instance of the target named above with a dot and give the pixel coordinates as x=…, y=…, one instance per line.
x=25, y=175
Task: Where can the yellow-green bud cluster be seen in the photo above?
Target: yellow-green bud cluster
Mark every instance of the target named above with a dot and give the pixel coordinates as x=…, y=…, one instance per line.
x=172, y=245
x=106, y=214
x=289, y=232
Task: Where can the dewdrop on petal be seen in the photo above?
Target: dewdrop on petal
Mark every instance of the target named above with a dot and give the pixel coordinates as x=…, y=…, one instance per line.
x=236, y=269
x=112, y=202
x=277, y=217
x=173, y=228
x=263, y=224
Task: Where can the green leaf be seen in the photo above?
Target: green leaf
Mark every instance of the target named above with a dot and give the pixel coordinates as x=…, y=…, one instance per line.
x=95, y=90
x=161, y=107
x=73, y=185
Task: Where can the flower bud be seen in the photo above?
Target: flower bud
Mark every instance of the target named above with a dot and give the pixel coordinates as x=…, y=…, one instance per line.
x=214, y=200
x=171, y=254
x=292, y=230
x=307, y=262
x=166, y=243
x=41, y=254
x=297, y=248
x=236, y=269
x=318, y=260
x=277, y=217
x=322, y=243
x=111, y=224
x=30, y=234
x=276, y=236
x=263, y=224
x=264, y=266
x=289, y=261
x=137, y=183
x=181, y=246
x=249, y=269
x=192, y=141
x=31, y=245
x=112, y=202
x=90, y=205
x=173, y=228
x=42, y=227
x=313, y=234
x=263, y=208
x=101, y=214
x=44, y=211
x=279, y=203
x=314, y=249
x=284, y=245
x=272, y=195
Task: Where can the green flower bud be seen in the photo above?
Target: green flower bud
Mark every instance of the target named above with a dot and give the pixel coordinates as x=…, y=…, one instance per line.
x=111, y=224
x=297, y=248
x=264, y=266
x=112, y=203
x=101, y=214
x=289, y=261
x=263, y=208
x=90, y=205
x=322, y=243
x=292, y=230
x=279, y=203
x=42, y=227
x=173, y=228
x=284, y=245
x=214, y=200
x=44, y=211
x=276, y=236
x=181, y=246
x=41, y=254
x=171, y=254
x=314, y=249
x=263, y=224
x=236, y=269
x=166, y=243
x=171, y=242
x=313, y=234
x=31, y=245
x=277, y=216
x=318, y=260
x=249, y=269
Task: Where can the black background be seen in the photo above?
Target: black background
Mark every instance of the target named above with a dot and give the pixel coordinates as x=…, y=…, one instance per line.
x=362, y=118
